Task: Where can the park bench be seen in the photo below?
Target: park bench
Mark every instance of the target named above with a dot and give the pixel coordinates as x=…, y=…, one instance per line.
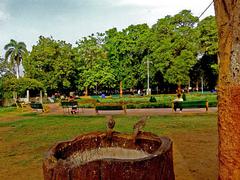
x=70, y=107
x=110, y=106
x=39, y=107
x=191, y=104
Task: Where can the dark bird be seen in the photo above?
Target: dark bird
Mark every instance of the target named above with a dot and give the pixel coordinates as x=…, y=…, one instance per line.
x=110, y=126
x=138, y=127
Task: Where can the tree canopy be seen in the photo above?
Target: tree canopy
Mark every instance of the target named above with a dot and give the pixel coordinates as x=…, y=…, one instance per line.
x=15, y=52
x=51, y=62
x=181, y=49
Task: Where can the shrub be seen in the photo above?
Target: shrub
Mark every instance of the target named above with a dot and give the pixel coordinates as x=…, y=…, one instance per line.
x=109, y=107
x=184, y=97
x=148, y=105
x=152, y=99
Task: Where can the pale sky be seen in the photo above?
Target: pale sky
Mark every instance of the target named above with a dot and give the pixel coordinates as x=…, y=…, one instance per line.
x=70, y=20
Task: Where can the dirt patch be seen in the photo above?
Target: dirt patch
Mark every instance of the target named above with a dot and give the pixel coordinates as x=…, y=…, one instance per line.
x=195, y=155
x=9, y=118
x=14, y=116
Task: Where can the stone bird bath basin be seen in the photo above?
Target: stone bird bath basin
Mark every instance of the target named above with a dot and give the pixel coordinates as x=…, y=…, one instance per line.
x=94, y=156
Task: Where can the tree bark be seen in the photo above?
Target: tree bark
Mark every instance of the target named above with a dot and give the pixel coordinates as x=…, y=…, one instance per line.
x=121, y=92
x=17, y=72
x=18, y=69
x=228, y=20
x=86, y=91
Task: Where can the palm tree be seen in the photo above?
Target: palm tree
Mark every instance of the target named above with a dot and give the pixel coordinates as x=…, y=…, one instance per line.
x=15, y=51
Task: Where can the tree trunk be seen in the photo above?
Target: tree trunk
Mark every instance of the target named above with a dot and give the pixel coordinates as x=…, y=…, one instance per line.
x=15, y=98
x=17, y=72
x=41, y=97
x=86, y=91
x=197, y=88
x=121, y=92
x=228, y=20
x=18, y=69
x=179, y=85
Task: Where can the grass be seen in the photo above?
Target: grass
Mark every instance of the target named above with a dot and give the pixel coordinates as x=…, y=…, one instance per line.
x=53, y=125
x=5, y=110
x=24, y=141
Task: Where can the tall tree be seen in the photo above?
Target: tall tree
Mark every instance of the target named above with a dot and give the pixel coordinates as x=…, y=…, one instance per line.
x=137, y=38
x=52, y=63
x=127, y=50
x=228, y=20
x=207, y=64
x=175, y=47
x=207, y=36
x=93, y=67
x=116, y=47
x=15, y=52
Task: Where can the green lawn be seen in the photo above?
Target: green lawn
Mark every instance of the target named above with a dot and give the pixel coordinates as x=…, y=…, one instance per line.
x=25, y=139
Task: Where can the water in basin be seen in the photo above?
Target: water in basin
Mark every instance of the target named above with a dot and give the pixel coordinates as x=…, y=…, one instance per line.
x=79, y=158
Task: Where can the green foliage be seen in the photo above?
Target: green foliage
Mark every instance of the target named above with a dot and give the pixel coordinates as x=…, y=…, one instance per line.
x=175, y=46
x=152, y=99
x=208, y=37
x=21, y=85
x=206, y=68
x=6, y=110
x=149, y=105
x=184, y=96
x=109, y=107
x=127, y=52
x=52, y=63
x=15, y=51
x=180, y=48
x=92, y=64
x=207, y=65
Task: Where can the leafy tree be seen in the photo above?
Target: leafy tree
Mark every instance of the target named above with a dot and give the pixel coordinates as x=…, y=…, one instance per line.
x=52, y=63
x=208, y=37
x=93, y=66
x=15, y=52
x=21, y=84
x=175, y=46
x=104, y=60
x=207, y=65
x=127, y=50
x=137, y=41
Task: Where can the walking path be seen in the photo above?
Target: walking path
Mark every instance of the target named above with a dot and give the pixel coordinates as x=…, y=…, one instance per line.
x=56, y=109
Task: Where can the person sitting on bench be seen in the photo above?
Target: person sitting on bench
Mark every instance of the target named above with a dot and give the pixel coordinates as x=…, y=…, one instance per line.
x=178, y=103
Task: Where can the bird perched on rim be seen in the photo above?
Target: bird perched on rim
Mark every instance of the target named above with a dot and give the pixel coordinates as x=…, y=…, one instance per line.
x=110, y=126
x=138, y=127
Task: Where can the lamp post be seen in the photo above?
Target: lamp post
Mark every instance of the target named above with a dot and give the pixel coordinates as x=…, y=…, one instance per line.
x=199, y=56
x=148, y=89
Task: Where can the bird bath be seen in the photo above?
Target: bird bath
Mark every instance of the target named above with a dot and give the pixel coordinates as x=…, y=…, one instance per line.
x=94, y=156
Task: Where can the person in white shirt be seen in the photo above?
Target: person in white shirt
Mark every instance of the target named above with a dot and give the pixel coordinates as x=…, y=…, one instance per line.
x=177, y=103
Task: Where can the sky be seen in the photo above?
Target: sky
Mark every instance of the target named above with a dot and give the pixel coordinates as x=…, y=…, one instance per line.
x=70, y=20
